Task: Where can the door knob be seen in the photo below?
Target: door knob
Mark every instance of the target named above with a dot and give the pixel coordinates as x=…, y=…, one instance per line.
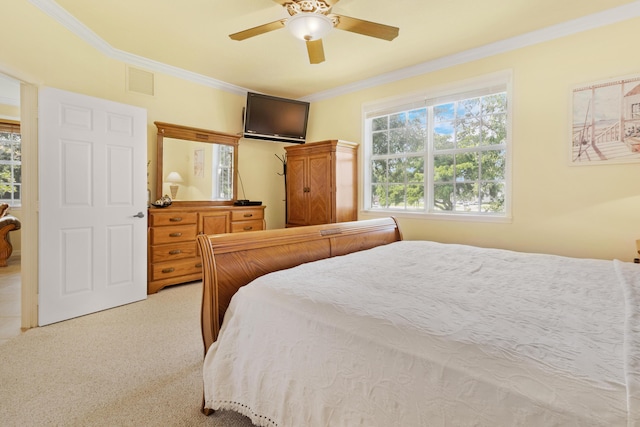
x=139, y=215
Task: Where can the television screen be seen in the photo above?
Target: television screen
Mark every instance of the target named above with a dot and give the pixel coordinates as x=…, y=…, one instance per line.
x=275, y=119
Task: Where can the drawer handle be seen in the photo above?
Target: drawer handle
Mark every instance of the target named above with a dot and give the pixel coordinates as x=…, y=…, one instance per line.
x=175, y=252
x=175, y=234
x=248, y=215
x=199, y=265
x=168, y=270
x=248, y=228
x=175, y=219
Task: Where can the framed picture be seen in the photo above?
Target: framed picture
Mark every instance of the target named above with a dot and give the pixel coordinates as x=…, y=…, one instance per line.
x=606, y=122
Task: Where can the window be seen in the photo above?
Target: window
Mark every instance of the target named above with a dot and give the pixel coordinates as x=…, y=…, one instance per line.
x=223, y=162
x=10, y=162
x=439, y=155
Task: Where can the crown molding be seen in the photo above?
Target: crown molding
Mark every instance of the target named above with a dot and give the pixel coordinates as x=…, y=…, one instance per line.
x=55, y=11
x=589, y=22
x=600, y=19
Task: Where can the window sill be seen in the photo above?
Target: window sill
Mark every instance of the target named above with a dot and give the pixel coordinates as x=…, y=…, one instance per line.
x=507, y=219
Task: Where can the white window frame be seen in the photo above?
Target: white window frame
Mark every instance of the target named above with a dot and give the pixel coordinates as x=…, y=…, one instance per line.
x=501, y=81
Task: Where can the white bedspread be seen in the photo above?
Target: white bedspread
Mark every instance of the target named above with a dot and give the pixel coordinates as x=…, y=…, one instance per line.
x=419, y=333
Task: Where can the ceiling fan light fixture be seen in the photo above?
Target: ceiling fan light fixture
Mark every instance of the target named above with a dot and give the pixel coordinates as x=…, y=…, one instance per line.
x=309, y=26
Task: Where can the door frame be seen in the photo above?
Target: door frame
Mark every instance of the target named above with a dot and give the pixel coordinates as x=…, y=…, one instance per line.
x=29, y=219
x=29, y=212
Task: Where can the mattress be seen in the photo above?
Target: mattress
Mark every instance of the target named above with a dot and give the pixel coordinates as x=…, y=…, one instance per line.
x=418, y=333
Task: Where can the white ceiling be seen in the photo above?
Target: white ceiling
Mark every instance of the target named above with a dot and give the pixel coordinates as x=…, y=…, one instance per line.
x=192, y=35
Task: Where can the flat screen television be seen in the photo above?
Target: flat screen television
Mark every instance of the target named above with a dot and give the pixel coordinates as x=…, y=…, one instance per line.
x=275, y=119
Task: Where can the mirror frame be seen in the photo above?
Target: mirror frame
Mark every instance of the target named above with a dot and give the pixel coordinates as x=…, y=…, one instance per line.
x=167, y=130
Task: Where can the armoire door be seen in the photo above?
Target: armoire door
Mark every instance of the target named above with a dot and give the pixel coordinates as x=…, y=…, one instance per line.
x=320, y=186
x=297, y=203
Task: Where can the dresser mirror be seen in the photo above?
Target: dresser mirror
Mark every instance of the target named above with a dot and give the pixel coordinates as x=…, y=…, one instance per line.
x=196, y=166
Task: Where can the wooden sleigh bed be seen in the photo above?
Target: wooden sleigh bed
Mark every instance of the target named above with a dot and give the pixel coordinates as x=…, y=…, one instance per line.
x=349, y=324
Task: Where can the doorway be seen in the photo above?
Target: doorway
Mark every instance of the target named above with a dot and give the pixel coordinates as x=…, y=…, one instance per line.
x=10, y=276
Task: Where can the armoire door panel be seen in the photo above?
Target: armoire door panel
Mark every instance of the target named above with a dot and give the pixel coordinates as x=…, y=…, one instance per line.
x=297, y=205
x=320, y=189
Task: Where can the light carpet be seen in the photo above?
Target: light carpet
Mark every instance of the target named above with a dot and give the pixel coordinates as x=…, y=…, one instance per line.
x=135, y=365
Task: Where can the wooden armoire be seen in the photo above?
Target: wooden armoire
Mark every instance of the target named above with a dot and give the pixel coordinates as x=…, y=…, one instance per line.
x=322, y=183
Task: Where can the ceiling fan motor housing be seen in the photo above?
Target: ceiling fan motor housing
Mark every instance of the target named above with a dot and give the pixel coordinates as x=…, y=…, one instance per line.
x=309, y=6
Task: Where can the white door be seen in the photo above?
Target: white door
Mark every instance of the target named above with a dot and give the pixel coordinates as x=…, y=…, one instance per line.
x=92, y=205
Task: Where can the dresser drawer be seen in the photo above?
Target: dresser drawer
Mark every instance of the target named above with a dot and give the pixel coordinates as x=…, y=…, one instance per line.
x=180, y=233
x=172, y=218
x=167, y=270
x=175, y=251
x=247, y=214
x=240, y=226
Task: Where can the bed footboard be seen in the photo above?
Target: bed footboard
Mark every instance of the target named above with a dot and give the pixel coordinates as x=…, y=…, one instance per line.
x=230, y=261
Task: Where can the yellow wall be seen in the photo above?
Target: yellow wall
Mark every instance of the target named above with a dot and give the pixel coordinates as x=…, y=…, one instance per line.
x=43, y=52
x=9, y=111
x=582, y=211
x=586, y=211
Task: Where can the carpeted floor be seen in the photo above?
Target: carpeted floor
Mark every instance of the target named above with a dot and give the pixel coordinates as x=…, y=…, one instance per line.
x=135, y=365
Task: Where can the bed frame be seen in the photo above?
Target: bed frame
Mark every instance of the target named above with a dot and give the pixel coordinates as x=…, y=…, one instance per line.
x=230, y=261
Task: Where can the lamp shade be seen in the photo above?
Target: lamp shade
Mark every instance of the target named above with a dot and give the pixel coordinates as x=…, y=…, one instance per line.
x=309, y=25
x=174, y=177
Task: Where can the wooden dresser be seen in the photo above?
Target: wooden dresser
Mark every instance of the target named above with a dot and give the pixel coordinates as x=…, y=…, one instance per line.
x=171, y=245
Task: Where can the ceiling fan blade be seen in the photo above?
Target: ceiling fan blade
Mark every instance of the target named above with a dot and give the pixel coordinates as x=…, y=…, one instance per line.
x=256, y=31
x=367, y=28
x=316, y=51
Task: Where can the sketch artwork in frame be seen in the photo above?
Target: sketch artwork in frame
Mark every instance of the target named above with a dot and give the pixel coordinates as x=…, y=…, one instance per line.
x=606, y=122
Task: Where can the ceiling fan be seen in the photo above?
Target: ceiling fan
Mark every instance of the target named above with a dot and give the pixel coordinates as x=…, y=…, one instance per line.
x=312, y=19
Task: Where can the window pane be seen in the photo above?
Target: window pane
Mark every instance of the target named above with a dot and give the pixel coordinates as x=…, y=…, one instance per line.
x=443, y=137
x=378, y=171
x=466, y=197
x=379, y=196
x=418, y=117
x=417, y=131
x=396, y=170
x=469, y=108
x=493, y=165
x=5, y=174
x=17, y=152
x=492, y=197
x=468, y=133
x=397, y=141
x=443, y=116
x=397, y=120
x=415, y=169
x=443, y=168
x=5, y=151
x=379, y=123
x=443, y=197
x=380, y=143
x=415, y=196
x=396, y=196
x=494, y=130
x=496, y=103
x=466, y=167
x=444, y=112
